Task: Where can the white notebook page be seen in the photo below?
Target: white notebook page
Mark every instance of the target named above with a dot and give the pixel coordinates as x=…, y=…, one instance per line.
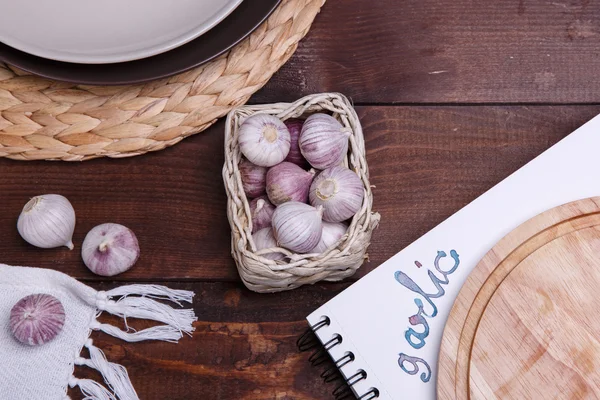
x=374, y=315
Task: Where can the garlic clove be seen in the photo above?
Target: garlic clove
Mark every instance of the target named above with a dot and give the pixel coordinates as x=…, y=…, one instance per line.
x=254, y=179
x=288, y=182
x=110, y=249
x=47, y=221
x=295, y=156
x=264, y=239
x=262, y=211
x=339, y=191
x=332, y=233
x=297, y=226
x=324, y=141
x=37, y=319
x=264, y=140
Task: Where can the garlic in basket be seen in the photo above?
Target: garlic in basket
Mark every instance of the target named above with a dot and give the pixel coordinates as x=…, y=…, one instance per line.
x=324, y=141
x=288, y=182
x=254, y=178
x=332, y=232
x=264, y=140
x=47, y=221
x=297, y=226
x=339, y=191
x=261, y=211
x=264, y=239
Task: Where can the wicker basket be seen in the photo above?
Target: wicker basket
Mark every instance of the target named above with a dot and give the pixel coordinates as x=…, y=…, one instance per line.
x=261, y=274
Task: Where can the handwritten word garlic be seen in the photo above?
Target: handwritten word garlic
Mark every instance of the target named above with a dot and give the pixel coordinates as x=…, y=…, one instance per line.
x=37, y=319
x=288, y=182
x=295, y=156
x=47, y=221
x=254, y=178
x=264, y=239
x=264, y=140
x=110, y=249
x=262, y=213
x=324, y=141
x=297, y=226
x=332, y=233
x=339, y=191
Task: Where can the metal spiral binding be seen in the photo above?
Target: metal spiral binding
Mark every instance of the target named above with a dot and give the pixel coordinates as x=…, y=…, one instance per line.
x=309, y=341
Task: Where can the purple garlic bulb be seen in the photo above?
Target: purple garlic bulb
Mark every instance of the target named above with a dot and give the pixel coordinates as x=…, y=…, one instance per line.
x=110, y=249
x=37, y=319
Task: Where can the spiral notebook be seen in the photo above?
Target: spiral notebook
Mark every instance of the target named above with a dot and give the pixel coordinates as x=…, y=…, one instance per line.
x=385, y=330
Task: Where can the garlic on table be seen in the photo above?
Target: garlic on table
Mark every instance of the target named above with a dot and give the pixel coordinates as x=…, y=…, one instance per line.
x=110, y=249
x=339, y=191
x=295, y=156
x=262, y=211
x=47, y=221
x=254, y=178
x=297, y=226
x=264, y=239
x=323, y=141
x=37, y=319
x=264, y=140
x=288, y=182
x=332, y=232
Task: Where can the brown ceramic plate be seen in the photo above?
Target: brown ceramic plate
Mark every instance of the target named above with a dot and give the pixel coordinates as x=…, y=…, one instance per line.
x=239, y=24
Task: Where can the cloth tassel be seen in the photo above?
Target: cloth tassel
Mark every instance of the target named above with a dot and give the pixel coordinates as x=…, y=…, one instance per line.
x=91, y=389
x=153, y=291
x=138, y=301
x=145, y=308
x=162, y=332
x=114, y=375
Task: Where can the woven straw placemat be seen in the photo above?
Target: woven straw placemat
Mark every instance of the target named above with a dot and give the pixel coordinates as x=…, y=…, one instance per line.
x=44, y=119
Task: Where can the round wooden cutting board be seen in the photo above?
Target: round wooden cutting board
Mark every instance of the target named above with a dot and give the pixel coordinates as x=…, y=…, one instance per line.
x=526, y=324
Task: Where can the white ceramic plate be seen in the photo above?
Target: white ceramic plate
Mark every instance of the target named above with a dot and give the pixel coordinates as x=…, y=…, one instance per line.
x=106, y=31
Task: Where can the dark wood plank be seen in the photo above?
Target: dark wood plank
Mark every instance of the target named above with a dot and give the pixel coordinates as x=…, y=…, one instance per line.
x=426, y=162
x=244, y=347
x=458, y=51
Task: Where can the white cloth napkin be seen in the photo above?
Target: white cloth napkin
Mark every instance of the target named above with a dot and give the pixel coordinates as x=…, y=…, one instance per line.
x=46, y=371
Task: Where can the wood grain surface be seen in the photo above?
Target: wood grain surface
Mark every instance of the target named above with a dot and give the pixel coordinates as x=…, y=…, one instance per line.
x=453, y=96
x=511, y=294
x=459, y=51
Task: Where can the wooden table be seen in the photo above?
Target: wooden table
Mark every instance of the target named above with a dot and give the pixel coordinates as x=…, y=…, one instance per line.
x=454, y=95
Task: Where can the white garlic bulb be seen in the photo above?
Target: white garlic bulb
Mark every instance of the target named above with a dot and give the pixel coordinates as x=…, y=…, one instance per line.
x=324, y=141
x=332, y=232
x=264, y=239
x=264, y=140
x=47, y=221
x=297, y=226
x=110, y=249
x=339, y=191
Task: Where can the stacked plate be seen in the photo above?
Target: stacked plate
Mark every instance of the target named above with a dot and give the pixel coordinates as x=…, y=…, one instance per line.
x=112, y=42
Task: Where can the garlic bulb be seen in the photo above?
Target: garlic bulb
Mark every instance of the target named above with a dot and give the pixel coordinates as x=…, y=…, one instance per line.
x=254, y=178
x=288, y=182
x=110, y=249
x=297, y=226
x=37, y=319
x=262, y=211
x=47, y=221
x=264, y=239
x=332, y=232
x=264, y=140
x=295, y=156
x=324, y=141
x=340, y=192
